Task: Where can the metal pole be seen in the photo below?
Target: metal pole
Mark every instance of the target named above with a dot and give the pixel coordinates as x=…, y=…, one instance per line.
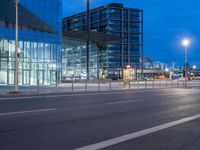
x=72, y=85
x=98, y=85
x=160, y=83
x=88, y=41
x=38, y=81
x=185, y=61
x=145, y=84
x=56, y=80
x=16, y=50
x=142, y=52
x=110, y=86
x=86, y=86
x=153, y=83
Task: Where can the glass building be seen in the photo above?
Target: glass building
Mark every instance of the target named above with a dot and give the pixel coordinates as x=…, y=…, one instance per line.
x=74, y=60
x=40, y=32
x=74, y=54
x=116, y=20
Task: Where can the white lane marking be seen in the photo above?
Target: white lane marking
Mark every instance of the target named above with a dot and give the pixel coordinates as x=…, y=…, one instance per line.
x=70, y=95
x=29, y=111
x=128, y=101
x=175, y=96
x=134, y=135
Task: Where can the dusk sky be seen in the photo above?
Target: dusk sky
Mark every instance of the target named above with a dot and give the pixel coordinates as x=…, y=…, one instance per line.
x=166, y=22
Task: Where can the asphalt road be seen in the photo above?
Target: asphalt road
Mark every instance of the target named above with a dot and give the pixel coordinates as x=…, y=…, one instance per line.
x=166, y=119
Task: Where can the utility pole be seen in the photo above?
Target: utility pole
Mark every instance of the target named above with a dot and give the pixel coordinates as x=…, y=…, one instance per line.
x=16, y=49
x=88, y=41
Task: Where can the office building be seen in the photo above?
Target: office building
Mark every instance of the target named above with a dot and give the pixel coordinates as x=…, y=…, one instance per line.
x=106, y=60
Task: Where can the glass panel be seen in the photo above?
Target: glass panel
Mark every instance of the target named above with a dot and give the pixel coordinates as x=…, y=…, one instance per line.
x=11, y=76
x=26, y=77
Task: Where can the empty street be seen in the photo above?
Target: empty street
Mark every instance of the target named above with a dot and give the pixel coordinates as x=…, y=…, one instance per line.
x=122, y=120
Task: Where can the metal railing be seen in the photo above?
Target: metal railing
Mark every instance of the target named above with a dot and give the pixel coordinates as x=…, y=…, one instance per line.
x=98, y=86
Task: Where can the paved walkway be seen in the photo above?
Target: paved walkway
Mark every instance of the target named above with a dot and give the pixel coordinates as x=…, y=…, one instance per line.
x=101, y=86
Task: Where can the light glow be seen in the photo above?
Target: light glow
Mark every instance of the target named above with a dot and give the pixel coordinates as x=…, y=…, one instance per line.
x=186, y=42
x=194, y=67
x=128, y=66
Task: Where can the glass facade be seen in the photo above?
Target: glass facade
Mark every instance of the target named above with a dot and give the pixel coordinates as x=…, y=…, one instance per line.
x=74, y=60
x=39, y=42
x=116, y=20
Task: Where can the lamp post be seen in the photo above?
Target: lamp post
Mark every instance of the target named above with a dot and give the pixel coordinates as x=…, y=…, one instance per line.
x=88, y=41
x=185, y=43
x=16, y=49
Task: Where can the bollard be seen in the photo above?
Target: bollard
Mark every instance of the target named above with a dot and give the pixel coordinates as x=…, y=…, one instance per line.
x=56, y=81
x=160, y=83
x=110, y=86
x=38, y=86
x=185, y=82
x=86, y=87
x=178, y=82
x=153, y=83
x=166, y=83
x=145, y=84
x=72, y=86
x=56, y=88
x=98, y=85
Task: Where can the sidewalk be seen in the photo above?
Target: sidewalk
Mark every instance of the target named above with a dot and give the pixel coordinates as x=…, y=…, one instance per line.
x=97, y=87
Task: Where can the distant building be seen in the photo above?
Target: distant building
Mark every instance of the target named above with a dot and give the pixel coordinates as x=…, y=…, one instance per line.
x=40, y=34
x=106, y=61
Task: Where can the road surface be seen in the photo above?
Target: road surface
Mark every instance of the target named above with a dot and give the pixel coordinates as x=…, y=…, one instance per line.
x=153, y=119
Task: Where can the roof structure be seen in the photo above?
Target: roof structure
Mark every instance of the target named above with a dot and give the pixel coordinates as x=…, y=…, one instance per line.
x=94, y=37
x=26, y=18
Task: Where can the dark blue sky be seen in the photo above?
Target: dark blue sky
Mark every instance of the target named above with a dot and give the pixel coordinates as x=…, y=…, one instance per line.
x=166, y=22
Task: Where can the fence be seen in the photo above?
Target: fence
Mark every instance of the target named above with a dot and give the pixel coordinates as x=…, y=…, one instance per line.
x=102, y=86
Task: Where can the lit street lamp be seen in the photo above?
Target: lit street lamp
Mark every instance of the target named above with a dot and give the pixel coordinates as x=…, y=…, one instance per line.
x=185, y=43
x=194, y=67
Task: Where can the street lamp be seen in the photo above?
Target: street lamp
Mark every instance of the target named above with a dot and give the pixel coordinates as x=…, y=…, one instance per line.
x=16, y=49
x=88, y=41
x=186, y=43
x=194, y=67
